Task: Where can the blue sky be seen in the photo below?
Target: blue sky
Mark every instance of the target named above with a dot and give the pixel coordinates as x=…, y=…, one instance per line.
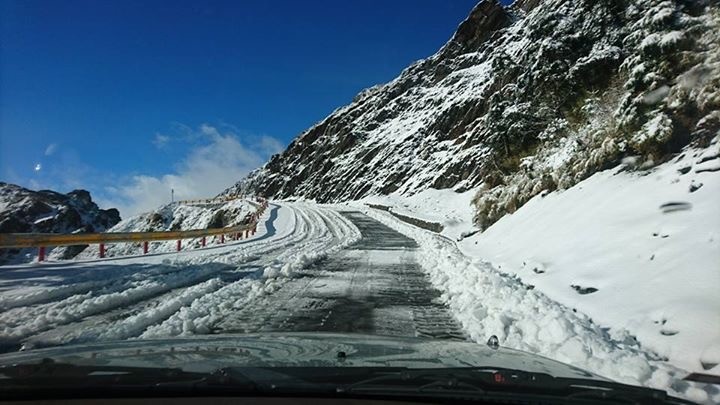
x=130, y=98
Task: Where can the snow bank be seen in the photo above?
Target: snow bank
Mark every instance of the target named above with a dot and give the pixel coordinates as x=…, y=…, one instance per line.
x=488, y=302
x=618, y=274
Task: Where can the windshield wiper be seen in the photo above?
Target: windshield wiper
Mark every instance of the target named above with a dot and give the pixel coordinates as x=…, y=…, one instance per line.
x=493, y=383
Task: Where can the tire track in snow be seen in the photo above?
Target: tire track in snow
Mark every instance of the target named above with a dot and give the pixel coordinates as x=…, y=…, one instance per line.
x=174, y=301
x=20, y=323
x=131, y=321
x=119, y=324
x=69, y=316
x=249, y=318
x=373, y=286
x=88, y=281
x=231, y=301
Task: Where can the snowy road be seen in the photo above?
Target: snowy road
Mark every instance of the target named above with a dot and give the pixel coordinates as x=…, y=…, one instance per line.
x=373, y=286
x=297, y=274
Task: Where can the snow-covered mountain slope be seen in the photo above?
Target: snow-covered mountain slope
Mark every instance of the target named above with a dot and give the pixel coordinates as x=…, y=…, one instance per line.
x=176, y=217
x=534, y=97
x=636, y=251
x=45, y=211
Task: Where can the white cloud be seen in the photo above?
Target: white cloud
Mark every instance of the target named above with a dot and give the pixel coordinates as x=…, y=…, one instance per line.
x=38, y=167
x=160, y=140
x=51, y=149
x=270, y=145
x=206, y=171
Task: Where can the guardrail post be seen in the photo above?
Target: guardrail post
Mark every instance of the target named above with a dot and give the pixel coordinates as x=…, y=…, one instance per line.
x=247, y=233
x=41, y=253
x=203, y=241
x=179, y=244
x=102, y=250
x=145, y=247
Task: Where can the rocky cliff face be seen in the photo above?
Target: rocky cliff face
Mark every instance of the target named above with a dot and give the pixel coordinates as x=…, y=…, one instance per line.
x=523, y=99
x=45, y=211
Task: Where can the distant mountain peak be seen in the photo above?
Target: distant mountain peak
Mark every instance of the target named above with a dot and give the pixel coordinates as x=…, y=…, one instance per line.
x=487, y=17
x=46, y=211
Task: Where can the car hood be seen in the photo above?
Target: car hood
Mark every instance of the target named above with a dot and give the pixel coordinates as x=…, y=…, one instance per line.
x=211, y=352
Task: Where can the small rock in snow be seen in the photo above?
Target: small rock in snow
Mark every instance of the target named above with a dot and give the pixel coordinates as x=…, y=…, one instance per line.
x=685, y=170
x=584, y=290
x=695, y=187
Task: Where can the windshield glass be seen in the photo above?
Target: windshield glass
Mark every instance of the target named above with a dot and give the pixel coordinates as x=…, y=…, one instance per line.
x=521, y=194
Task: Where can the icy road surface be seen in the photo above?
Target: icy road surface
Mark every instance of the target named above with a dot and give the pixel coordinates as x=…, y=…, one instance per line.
x=373, y=286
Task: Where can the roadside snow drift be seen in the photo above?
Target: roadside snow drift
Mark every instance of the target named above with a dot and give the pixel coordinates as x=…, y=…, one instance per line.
x=487, y=302
x=634, y=251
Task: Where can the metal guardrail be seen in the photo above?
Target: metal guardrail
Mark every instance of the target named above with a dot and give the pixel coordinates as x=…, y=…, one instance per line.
x=25, y=240
x=216, y=200
x=42, y=240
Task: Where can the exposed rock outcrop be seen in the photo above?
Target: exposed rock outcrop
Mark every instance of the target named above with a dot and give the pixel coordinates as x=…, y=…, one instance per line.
x=533, y=97
x=46, y=211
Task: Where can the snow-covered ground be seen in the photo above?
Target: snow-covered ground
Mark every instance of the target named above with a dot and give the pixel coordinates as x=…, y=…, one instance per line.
x=619, y=274
x=162, y=294
x=488, y=302
x=634, y=251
